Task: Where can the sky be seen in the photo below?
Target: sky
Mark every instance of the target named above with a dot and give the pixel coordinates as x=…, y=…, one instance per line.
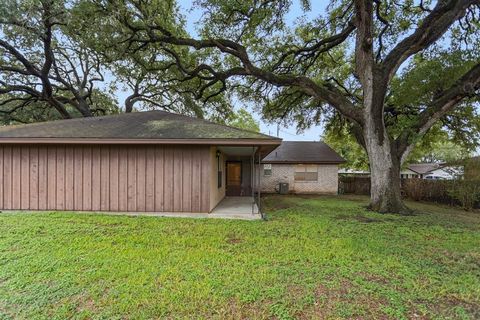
x=286, y=133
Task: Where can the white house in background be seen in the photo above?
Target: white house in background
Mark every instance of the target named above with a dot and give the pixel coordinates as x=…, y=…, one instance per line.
x=430, y=171
x=352, y=172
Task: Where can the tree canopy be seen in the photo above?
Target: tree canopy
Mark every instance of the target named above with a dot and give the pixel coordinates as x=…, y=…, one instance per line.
x=59, y=59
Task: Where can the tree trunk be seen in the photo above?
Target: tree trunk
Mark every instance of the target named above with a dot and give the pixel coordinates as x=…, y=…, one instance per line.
x=385, y=195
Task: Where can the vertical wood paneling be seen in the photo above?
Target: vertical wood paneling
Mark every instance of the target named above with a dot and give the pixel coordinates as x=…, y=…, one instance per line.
x=150, y=179
x=187, y=180
x=96, y=173
x=131, y=179
x=7, y=178
x=113, y=180
x=205, y=182
x=78, y=178
x=69, y=178
x=159, y=180
x=24, y=178
x=60, y=178
x=196, y=179
x=141, y=181
x=34, y=181
x=16, y=178
x=42, y=178
x=123, y=179
x=51, y=178
x=168, y=179
x=104, y=178
x=87, y=178
x=177, y=179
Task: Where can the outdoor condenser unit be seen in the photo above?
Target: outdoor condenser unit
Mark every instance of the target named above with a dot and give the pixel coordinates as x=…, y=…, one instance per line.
x=283, y=188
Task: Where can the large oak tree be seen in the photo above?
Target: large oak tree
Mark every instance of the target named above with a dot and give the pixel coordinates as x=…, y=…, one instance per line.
x=58, y=61
x=343, y=62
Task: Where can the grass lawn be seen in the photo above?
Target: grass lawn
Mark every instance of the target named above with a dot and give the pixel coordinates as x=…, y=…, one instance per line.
x=316, y=257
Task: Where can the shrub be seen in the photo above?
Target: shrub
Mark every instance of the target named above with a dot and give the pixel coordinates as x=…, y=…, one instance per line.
x=427, y=190
x=467, y=192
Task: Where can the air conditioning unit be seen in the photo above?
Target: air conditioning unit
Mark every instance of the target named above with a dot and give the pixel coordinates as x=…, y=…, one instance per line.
x=283, y=188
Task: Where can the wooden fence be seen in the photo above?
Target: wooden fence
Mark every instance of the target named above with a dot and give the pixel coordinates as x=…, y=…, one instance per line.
x=415, y=189
x=354, y=185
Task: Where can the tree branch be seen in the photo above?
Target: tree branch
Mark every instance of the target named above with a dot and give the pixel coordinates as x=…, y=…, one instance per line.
x=430, y=30
x=441, y=105
x=319, y=91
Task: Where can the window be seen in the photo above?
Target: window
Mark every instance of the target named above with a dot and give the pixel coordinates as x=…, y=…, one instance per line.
x=267, y=169
x=306, y=173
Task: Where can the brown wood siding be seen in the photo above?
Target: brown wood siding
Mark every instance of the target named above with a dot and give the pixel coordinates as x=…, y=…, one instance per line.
x=105, y=178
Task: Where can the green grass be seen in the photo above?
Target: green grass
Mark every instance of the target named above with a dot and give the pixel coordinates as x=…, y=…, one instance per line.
x=323, y=257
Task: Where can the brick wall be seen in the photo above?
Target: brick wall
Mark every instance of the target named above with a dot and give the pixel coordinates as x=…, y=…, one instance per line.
x=327, y=179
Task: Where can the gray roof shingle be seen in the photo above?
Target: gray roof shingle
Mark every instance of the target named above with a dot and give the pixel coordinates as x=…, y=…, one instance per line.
x=422, y=168
x=137, y=125
x=303, y=152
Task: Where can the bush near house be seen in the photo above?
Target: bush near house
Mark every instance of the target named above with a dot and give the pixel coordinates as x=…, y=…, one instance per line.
x=467, y=192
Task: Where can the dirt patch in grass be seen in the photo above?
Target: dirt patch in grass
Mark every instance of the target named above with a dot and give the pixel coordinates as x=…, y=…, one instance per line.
x=234, y=239
x=235, y=309
x=374, y=278
x=308, y=196
x=277, y=203
x=86, y=304
x=358, y=217
x=330, y=303
x=449, y=306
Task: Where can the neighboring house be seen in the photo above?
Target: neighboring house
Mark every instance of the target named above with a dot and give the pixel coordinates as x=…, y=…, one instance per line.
x=432, y=171
x=353, y=173
x=408, y=174
x=139, y=162
x=307, y=166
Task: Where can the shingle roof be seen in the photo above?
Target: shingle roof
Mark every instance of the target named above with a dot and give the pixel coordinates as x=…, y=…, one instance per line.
x=303, y=152
x=137, y=125
x=422, y=168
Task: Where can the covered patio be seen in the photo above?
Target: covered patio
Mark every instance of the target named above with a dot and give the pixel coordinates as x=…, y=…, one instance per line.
x=236, y=207
x=240, y=195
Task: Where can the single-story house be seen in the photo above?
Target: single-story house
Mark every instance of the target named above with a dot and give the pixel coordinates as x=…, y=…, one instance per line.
x=432, y=171
x=307, y=167
x=353, y=173
x=139, y=162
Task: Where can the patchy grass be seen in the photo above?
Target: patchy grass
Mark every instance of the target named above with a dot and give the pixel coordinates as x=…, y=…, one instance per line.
x=315, y=257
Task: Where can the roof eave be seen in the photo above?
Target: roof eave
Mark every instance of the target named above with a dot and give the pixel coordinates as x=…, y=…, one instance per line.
x=302, y=162
x=232, y=142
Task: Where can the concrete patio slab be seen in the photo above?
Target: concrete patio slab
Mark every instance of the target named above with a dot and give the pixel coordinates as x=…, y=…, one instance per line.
x=237, y=208
x=242, y=208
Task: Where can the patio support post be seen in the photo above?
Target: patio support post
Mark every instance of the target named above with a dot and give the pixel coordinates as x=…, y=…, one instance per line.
x=259, y=181
x=252, y=173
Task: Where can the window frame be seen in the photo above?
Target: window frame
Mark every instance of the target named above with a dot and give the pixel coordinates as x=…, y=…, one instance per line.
x=302, y=176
